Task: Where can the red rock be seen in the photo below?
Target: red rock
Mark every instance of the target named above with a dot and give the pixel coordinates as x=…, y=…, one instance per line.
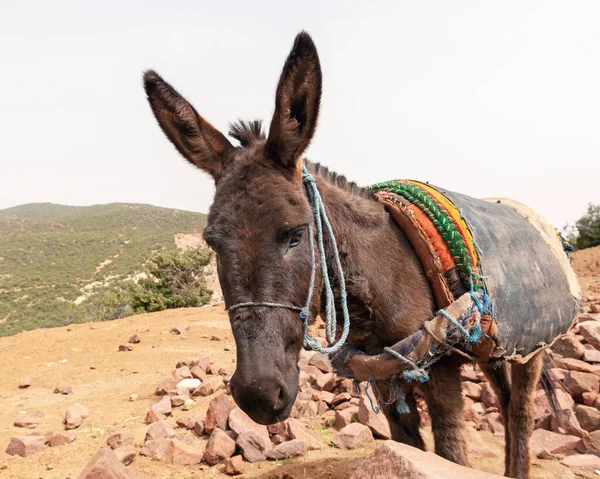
x=320, y=361
x=559, y=373
x=578, y=383
x=569, y=347
x=240, y=422
x=378, y=423
x=590, y=330
x=199, y=426
x=587, y=462
x=135, y=339
x=198, y=373
x=126, y=454
x=25, y=382
x=588, y=417
x=220, y=447
x=576, y=365
x=63, y=387
x=323, y=379
x=589, y=398
x=125, y=347
x=304, y=409
x=279, y=438
x=277, y=428
x=293, y=448
x=62, y=438
x=551, y=442
x=203, y=362
x=152, y=416
x=31, y=419
x=297, y=430
x=234, y=466
x=591, y=356
x=26, y=445
x=163, y=406
x=322, y=408
x=159, y=430
x=106, y=465
x=472, y=390
x=209, y=386
x=346, y=416
x=566, y=421
x=488, y=397
x=172, y=451
x=182, y=373
x=253, y=446
x=76, y=412
x=590, y=444
x=352, y=436
x=217, y=414
x=120, y=438
x=44, y=433
x=395, y=460
x=323, y=396
x=340, y=398
x=166, y=385
x=595, y=308
x=180, y=328
x=214, y=337
x=468, y=373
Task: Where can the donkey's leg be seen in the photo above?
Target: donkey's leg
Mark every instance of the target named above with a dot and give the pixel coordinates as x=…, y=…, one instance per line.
x=404, y=427
x=525, y=378
x=446, y=407
x=499, y=378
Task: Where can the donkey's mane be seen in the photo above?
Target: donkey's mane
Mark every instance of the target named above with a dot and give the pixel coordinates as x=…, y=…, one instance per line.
x=247, y=132
x=338, y=180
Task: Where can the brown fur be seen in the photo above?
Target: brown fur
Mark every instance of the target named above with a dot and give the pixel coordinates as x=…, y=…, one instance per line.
x=257, y=225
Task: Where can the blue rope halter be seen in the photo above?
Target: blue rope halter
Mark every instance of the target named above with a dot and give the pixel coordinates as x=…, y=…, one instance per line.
x=321, y=223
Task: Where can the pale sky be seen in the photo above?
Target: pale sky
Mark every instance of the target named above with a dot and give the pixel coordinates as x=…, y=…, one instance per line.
x=484, y=98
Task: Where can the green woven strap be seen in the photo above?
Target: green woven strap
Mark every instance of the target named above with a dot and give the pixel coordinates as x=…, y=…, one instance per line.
x=442, y=221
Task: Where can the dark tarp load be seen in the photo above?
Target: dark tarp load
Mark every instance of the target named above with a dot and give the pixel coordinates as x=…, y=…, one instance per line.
x=499, y=273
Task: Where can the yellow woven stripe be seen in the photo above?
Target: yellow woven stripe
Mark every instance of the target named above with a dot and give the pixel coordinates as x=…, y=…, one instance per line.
x=454, y=214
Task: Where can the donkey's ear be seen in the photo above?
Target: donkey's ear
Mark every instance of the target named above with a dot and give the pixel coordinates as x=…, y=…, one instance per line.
x=296, y=103
x=196, y=139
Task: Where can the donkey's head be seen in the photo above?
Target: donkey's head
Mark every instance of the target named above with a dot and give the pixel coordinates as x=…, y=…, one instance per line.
x=258, y=224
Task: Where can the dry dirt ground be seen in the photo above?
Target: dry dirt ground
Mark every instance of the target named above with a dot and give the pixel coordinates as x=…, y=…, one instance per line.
x=103, y=379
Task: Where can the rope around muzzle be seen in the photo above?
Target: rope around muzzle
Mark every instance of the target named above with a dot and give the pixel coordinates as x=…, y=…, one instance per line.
x=323, y=226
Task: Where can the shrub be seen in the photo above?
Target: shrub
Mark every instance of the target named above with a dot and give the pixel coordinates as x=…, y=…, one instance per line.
x=588, y=228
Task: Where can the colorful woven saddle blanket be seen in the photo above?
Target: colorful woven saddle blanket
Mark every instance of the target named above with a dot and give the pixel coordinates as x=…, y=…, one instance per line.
x=497, y=253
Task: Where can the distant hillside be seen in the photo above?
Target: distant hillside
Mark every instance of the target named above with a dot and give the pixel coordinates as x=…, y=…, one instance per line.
x=49, y=252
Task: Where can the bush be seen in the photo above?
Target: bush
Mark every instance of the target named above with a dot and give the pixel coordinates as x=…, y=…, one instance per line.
x=588, y=228
x=174, y=280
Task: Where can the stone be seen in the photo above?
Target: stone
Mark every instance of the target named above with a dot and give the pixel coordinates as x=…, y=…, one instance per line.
x=172, y=451
x=220, y=447
x=120, y=438
x=591, y=356
x=203, y=362
x=322, y=408
x=63, y=387
x=566, y=422
x=135, y=339
x=30, y=420
x=62, y=438
x=340, y=398
x=346, y=416
x=182, y=372
x=588, y=462
x=304, y=409
x=188, y=404
x=323, y=379
x=133, y=397
x=198, y=373
x=277, y=428
x=472, y=390
x=125, y=347
x=595, y=308
x=569, y=347
x=180, y=328
x=469, y=373
x=166, y=385
x=189, y=384
x=578, y=382
x=590, y=444
x=559, y=373
x=297, y=430
x=24, y=383
x=321, y=362
x=75, y=414
x=217, y=414
x=39, y=432
x=210, y=386
x=163, y=406
x=588, y=417
x=239, y=422
x=551, y=442
x=285, y=450
x=106, y=465
x=126, y=454
x=377, y=423
x=26, y=445
x=589, y=398
x=214, y=337
x=199, y=426
x=576, y=365
x=352, y=436
x=178, y=401
x=394, y=460
x=152, y=416
x=488, y=397
x=234, y=466
x=590, y=330
x=253, y=446
x=159, y=430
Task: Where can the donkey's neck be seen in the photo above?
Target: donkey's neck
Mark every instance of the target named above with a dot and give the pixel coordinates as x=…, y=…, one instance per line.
x=388, y=294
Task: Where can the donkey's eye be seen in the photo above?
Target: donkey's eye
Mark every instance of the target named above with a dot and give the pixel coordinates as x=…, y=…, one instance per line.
x=296, y=237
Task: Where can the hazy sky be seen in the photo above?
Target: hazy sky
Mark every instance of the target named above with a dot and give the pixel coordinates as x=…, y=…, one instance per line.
x=485, y=98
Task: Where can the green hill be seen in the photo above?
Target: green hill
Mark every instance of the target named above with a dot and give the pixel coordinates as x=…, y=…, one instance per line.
x=49, y=252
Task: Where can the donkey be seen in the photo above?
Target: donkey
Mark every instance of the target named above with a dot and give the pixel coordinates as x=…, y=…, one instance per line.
x=259, y=226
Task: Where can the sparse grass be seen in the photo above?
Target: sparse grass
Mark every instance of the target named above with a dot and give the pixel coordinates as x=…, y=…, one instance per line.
x=49, y=252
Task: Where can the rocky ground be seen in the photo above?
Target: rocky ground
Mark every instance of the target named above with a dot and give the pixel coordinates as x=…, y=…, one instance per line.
x=151, y=392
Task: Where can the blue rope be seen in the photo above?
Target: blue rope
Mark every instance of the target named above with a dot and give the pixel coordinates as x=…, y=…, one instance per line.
x=416, y=373
x=321, y=219
x=375, y=409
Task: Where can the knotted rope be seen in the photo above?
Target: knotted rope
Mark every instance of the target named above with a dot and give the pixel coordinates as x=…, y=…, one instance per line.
x=322, y=226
